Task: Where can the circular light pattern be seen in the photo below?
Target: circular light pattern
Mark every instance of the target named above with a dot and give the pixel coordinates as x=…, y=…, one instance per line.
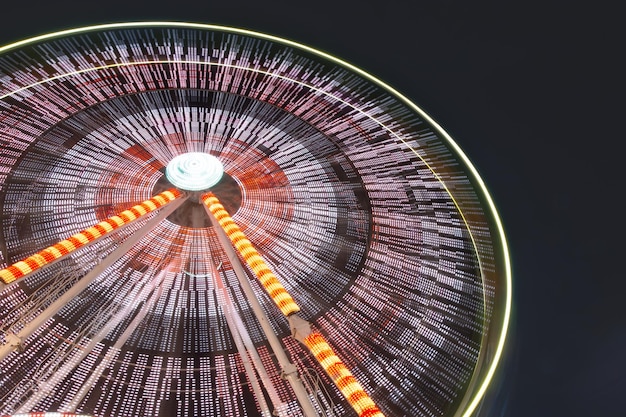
x=194, y=171
x=367, y=212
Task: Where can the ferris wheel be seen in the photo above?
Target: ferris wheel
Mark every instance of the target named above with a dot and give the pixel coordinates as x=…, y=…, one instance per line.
x=201, y=220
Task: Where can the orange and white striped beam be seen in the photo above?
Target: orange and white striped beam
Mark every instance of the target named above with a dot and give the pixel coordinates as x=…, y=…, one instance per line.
x=314, y=341
x=79, y=240
x=341, y=376
x=274, y=288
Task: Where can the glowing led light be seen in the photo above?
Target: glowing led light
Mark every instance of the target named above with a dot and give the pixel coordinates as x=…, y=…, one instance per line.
x=321, y=350
x=274, y=288
x=341, y=376
x=194, y=171
x=505, y=315
x=53, y=253
x=482, y=379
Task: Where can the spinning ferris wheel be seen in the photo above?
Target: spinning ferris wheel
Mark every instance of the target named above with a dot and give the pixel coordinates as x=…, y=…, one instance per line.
x=199, y=220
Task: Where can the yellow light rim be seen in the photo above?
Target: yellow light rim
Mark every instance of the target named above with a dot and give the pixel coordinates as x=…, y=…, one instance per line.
x=506, y=316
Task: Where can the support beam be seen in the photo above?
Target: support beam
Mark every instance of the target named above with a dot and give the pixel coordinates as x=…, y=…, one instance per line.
x=272, y=285
x=75, y=357
x=151, y=294
x=289, y=370
x=16, y=342
x=64, y=248
x=341, y=376
x=301, y=329
x=248, y=354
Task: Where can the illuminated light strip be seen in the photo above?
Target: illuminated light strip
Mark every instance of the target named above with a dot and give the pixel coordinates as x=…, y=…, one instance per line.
x=505, y=252
x=508, y=302
x=341, y=376
x=272, y=285
x=55, y=252
x=506, y=317
x=315, y=342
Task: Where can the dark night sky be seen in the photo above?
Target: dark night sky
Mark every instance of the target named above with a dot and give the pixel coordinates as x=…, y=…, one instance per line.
x=532, y=93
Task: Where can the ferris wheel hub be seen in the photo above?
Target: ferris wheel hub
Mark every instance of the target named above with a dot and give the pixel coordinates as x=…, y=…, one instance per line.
x=194, y=171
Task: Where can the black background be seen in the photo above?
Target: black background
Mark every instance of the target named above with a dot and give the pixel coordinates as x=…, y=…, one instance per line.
x=533, y=93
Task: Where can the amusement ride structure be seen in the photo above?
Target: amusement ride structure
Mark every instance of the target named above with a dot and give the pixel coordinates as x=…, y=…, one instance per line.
x=206, y=221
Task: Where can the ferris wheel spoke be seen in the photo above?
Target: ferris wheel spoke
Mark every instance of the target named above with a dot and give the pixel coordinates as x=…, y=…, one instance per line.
x=301, y=329
x=15, y=340
x=289, y=371
x=64, y=248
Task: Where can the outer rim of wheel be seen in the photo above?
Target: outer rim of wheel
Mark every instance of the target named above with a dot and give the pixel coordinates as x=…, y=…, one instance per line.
x=473, y=173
